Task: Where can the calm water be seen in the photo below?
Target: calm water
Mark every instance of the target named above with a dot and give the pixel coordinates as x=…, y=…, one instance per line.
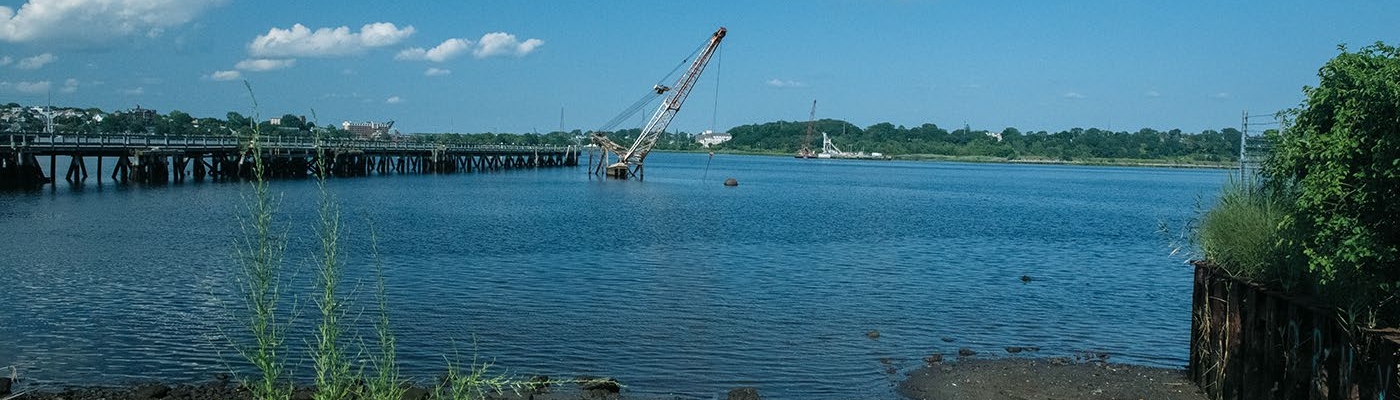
x=676, y=285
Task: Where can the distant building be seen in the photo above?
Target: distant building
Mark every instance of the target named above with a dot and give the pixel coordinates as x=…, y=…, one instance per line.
x=278, y=120
x=994, y=135
x=368, y=129
x=710, y=138
x=144, y=115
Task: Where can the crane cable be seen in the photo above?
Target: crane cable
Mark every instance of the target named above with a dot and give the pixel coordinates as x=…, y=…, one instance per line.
x=630, y=111
x=714, y=113
x=651, y=94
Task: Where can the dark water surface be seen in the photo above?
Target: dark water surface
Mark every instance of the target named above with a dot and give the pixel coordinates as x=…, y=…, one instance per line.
x=676, y=285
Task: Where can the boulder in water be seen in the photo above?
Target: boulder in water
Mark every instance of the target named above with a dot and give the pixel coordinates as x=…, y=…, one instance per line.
x=743, y=393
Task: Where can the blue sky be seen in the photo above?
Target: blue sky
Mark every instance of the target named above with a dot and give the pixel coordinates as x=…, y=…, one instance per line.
x=513, y=66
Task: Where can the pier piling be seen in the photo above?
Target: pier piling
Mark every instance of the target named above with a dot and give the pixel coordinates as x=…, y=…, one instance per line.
x=152, y=159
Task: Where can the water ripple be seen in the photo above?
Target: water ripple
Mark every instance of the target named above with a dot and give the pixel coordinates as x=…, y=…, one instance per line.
x=675, y=285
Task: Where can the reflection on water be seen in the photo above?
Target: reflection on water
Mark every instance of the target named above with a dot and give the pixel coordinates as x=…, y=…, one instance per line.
x=674, y=285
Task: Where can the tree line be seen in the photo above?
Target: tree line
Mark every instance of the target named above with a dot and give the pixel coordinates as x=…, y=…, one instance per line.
x=769, y=137
x=1009, y=143
x=17, y=118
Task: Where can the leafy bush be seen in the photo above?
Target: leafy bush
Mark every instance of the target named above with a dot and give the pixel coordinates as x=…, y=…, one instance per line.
x=1341, y=157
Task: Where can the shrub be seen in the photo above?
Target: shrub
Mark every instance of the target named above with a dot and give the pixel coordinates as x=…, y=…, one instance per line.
x=1341, y=157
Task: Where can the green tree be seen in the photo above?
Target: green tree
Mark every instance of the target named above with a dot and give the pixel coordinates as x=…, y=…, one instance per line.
x=175, y=123
x=1341, y=156
x=236, y=120
x=292, y=122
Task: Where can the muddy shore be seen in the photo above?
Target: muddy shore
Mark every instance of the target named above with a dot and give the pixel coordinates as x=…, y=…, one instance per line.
x=961, y=379
x=222, y=388
x=1048, y=378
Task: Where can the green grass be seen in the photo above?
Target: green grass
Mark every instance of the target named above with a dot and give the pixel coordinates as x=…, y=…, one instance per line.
x=1243, y=233
x=476, y=381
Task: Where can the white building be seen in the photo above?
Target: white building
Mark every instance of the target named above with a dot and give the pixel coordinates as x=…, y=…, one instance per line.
x=710, y=137
x=369, y=129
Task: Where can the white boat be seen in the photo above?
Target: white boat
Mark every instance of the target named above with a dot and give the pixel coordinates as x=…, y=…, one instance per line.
x=829, y=150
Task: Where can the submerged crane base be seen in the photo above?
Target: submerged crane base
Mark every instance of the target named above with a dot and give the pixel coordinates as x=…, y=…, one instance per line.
x=624, y=171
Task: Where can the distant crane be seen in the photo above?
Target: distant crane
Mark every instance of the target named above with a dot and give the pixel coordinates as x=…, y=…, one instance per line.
x=629, y=159
x=806, y=151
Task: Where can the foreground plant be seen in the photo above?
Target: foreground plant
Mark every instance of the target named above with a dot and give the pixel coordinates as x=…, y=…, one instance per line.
x=473, y=383
x=386, y=383
x=260, y=252
x=477, y=380
x=334, y=378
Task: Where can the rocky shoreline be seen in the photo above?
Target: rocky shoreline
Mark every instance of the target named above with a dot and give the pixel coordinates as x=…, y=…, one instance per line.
x=223, y=388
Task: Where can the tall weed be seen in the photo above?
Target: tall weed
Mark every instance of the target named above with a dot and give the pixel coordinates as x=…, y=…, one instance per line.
x=1243, y=234
x=334, y=378
x=260, y=252
x=386, y=383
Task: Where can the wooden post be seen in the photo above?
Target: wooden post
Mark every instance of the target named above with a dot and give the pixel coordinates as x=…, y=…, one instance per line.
x=72, y=169
x=199, y=167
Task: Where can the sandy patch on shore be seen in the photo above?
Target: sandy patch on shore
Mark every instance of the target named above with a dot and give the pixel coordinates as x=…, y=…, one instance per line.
x=971, y=379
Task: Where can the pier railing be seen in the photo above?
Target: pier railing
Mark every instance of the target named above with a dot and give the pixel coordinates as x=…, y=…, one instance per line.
x=161, y=158
x=43, y=144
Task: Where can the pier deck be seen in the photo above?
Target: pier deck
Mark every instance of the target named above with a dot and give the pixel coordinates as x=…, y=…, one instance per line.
x=159, y=159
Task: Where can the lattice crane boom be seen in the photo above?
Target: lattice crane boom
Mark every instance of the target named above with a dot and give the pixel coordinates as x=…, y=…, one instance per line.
x=806, y=150
x=632, y=156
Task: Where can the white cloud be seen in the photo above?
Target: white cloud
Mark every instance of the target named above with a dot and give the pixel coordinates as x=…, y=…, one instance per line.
x=491, y=45
x=1073, y=95
x=6, y=60
x=264, y=64
x=300, y=41
x=225, y=75
x=96, y=21
x=33, y=87
x=437, y=72
x=136, y=91
x=1221, y=95
x=393, y=100
x=781, y=83
x=69, y=86
x=449, y=49
x=36, y=62
x=1152, y=93
x=501, y=43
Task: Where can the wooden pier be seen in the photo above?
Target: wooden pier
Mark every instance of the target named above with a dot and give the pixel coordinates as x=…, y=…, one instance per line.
x=162, y=159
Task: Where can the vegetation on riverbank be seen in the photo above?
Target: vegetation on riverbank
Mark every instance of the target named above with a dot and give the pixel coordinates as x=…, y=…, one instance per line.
x=335, y=376
x=1092, y=146
x=1321, y=221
